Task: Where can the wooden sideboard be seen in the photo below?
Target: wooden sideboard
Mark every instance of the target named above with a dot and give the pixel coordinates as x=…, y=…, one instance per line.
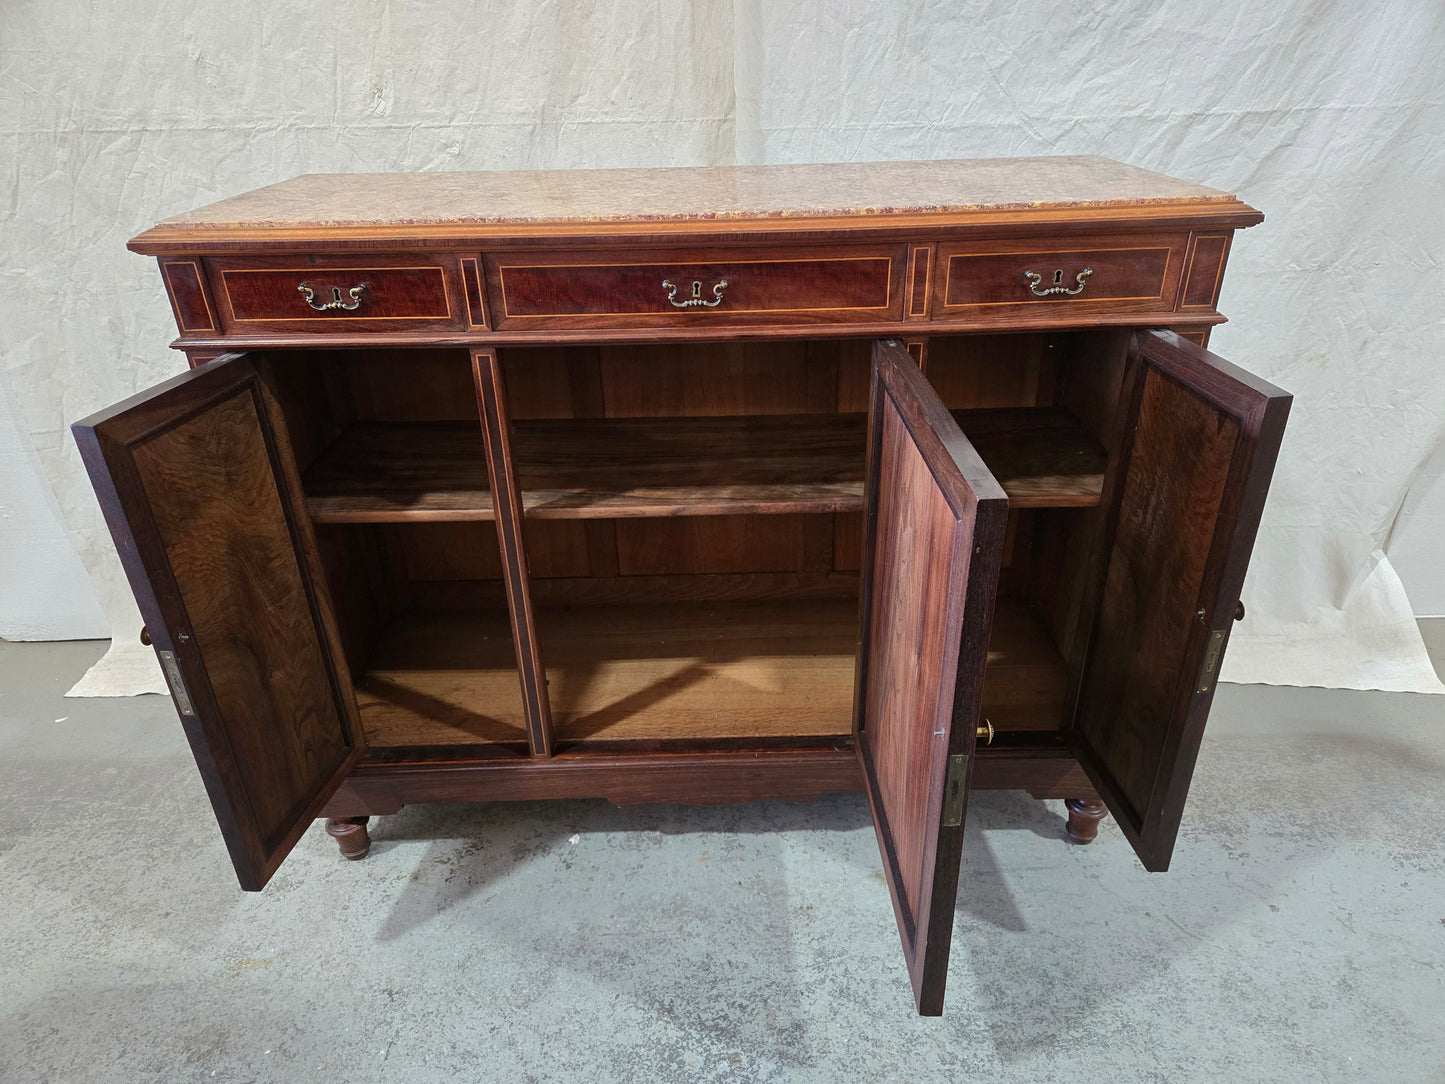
x=697, y=485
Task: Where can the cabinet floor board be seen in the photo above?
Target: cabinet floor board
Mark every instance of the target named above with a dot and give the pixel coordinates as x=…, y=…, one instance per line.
x=443, y=679
x=668, y=672
x=724, y=670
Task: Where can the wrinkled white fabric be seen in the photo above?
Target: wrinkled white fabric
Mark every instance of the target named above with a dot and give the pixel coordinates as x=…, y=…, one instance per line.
x=1330, y=118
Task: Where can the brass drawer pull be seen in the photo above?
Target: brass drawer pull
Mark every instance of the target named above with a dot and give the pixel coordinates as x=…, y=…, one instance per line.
x=985, y=733
x=696, y=299
x=336, y=302
x=1058, y=287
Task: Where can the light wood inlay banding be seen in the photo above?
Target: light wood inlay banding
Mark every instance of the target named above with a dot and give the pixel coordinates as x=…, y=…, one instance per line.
x=186, y=288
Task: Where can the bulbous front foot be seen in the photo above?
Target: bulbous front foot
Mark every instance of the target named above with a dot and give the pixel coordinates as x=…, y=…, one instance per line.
x=351, y=836
x=1084, y=817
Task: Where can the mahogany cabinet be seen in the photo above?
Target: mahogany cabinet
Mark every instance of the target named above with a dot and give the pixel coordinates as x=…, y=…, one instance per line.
x=697, y=485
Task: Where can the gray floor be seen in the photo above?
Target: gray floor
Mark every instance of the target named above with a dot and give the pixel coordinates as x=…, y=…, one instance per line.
x=1300, y=935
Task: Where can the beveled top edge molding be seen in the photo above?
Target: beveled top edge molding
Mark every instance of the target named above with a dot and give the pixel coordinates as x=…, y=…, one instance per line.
x=721, y=199
x=1226, y=213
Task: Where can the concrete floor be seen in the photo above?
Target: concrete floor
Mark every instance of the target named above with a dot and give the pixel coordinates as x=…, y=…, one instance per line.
x=1300, y=935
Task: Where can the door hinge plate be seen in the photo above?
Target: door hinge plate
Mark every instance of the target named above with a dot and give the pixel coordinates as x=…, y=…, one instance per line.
x=953, y=790
x=176, y=682
x=1210, y=670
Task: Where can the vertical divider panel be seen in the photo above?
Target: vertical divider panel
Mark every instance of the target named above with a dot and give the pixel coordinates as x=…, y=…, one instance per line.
x=507, y=500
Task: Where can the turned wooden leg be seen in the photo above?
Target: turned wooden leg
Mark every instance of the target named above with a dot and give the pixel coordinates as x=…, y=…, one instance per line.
x=350, y=835
x=1084, y=817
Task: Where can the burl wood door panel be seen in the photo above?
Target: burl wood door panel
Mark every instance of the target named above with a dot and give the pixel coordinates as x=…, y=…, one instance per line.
x=935, y=529
x=201, y=495
x=342, y=294
x=1080, y=277
x=1202, y=438
x=696, y=288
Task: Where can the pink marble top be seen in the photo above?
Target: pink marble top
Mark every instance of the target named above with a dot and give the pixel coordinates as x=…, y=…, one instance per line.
x=705, y=193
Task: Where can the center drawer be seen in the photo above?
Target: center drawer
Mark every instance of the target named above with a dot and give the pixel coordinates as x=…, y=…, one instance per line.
x=628, y=288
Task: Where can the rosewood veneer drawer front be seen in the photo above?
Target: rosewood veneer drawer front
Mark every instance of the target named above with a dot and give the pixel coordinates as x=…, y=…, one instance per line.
x=630, y=288
x=1077, y=277
x=334, y=293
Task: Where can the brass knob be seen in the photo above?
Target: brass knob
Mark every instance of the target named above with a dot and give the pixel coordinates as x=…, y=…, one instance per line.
x=145, y=636
x=985, y=733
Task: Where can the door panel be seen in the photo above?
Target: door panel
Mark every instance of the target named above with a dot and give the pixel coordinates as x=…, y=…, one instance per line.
x=200, y=492
x=1200, y=446
x=935, y=527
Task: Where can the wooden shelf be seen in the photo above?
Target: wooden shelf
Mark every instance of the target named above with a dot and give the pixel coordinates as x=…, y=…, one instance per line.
x=668, y=672
x=392, y=472
x=625, y=467
x=631, y=467
x=1042, y=456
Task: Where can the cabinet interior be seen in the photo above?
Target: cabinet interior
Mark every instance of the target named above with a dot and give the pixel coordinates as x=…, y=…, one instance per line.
x=693, y=531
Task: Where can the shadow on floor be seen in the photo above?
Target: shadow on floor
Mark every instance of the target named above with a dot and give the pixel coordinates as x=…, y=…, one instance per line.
x=459, y=838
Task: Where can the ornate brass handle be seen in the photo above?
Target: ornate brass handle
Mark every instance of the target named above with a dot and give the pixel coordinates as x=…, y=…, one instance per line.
x=1058, y=287
x=335, y=303
x=696, y=299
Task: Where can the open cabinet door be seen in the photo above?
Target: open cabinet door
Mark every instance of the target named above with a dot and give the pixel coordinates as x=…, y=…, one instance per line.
x=1200, y=441
x=934, y=543
x=201, y=494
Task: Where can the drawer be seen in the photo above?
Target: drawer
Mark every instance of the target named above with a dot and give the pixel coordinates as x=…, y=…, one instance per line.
x=329, y=293
x=652, y=289
x=1001, y=280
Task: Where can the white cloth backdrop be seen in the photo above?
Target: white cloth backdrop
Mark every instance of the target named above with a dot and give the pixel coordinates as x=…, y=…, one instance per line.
x=1329, y=117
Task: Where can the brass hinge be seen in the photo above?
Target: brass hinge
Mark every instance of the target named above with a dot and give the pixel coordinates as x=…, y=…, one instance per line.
x=176, y=682
x=953, y=790
x=1208, y=671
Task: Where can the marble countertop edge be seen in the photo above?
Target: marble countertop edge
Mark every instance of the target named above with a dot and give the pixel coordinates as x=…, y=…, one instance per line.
x=727, y=194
